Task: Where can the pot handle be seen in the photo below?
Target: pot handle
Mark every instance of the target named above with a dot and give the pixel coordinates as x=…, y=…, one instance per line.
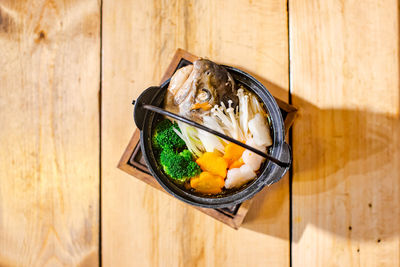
x=286, y=156
x=146, y=97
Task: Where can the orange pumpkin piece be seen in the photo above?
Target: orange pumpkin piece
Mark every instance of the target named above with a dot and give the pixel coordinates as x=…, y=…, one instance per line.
x=207, y=183
x=233, y=153
x=236, y=164
x=213, y=163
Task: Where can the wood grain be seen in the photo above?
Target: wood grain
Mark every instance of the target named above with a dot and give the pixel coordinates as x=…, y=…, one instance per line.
x=49, y=137
x=144, y=227
x=346, y=143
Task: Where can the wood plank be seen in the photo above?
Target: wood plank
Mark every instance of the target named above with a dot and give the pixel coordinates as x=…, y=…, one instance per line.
x=345, y=79
x=49, y=137
x=144, y=227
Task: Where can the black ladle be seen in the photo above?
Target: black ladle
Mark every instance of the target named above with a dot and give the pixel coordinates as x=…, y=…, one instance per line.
x=204, y=128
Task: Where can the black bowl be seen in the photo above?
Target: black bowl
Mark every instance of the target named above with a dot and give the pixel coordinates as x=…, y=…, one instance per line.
x=269, y=172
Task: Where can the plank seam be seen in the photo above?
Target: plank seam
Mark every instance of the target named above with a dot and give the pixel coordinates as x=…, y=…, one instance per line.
x=100, y=131
x=290, y=143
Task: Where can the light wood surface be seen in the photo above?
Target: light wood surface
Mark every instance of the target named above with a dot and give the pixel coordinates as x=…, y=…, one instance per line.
x=344, y=74
x=140, y=225
x=346, y=142
x=49, y=136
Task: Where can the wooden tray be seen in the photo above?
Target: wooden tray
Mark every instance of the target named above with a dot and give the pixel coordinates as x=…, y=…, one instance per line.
x=133, y=162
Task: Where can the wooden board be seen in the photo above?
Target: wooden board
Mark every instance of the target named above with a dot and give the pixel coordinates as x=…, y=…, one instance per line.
x=49, y=136
x=132, y=160
x=346, y=141
x=140, y=225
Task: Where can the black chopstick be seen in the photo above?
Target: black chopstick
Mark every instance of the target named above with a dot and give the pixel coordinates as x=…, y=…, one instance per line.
x=223, y=136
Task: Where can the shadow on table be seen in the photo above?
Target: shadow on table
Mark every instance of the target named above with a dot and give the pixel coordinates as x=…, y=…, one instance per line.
x=338, y=157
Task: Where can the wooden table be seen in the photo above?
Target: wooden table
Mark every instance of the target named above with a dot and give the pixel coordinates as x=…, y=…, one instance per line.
x=69, y=70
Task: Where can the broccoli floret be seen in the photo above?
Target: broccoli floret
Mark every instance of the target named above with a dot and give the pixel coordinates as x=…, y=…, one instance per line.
x=165, y=137
x=179, y=166
x=187, y=155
